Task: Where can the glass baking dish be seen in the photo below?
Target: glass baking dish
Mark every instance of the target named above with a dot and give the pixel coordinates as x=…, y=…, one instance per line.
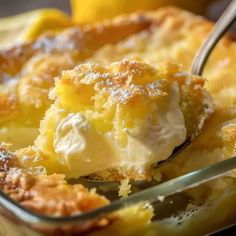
x=17, y=221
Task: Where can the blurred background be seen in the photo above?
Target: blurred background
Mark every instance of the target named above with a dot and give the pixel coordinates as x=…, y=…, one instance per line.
x=55, y=15
x=11, y=7
x=210, y=8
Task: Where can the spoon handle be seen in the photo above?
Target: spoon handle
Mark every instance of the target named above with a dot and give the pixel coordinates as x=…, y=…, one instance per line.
x=222, y=25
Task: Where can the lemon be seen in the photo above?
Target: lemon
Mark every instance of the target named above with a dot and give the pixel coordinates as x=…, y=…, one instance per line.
x=92, y=10
x=28, y=26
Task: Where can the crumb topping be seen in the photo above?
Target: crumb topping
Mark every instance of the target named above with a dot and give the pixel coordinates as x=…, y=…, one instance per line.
x=45, y=194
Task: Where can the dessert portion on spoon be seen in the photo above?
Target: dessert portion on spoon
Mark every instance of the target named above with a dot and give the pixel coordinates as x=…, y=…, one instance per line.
x=114, y=122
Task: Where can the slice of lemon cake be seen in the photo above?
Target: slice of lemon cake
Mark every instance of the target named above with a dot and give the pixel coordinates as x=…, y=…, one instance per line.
x=122, y=117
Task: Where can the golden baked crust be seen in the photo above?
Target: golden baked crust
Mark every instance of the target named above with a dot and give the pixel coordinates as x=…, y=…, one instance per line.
x=44, y=194
x=49, y=194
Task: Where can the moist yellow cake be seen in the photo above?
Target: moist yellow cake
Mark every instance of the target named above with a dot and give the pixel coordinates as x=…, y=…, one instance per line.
x=125, y=116
x=27, y=72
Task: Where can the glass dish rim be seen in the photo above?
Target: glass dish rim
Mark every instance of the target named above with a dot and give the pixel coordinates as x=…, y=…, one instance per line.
x=149, y=195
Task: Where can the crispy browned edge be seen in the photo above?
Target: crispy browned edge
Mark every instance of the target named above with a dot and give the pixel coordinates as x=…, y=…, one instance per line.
x=80, y=40
x=84, y=40
x=24, y=188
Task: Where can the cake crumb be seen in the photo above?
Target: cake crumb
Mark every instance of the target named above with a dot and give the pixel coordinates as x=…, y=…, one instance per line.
x=124, y=188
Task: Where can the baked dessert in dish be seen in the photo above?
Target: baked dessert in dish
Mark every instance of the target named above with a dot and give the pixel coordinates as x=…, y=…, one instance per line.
x=140, y=41
x=125, y=116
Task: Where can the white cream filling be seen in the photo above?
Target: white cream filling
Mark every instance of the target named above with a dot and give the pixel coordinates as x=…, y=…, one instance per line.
x=81, y=148
x=86, y=151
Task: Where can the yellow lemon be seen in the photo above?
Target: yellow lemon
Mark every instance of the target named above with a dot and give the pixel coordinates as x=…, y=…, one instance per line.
x=28, y=26
x=92, y=10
